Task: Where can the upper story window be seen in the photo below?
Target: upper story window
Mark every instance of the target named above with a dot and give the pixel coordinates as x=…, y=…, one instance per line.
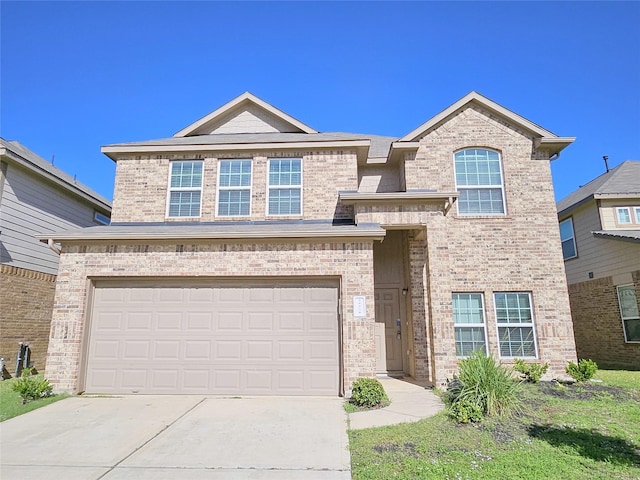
x=101, y=218
x=185, y=189
x=568, y=239
x=234, y=188
x=623, y=215
x=514, y=315
x=284, y=195
x=628, y=302
x=479, y=181
x=468, y=320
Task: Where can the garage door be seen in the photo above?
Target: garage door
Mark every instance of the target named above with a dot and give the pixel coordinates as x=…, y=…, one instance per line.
x=262, y=339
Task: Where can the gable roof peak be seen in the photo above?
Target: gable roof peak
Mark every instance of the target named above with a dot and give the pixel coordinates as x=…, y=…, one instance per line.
x=245, y=111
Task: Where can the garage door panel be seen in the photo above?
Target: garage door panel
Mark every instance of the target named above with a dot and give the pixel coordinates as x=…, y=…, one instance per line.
x=200, y=341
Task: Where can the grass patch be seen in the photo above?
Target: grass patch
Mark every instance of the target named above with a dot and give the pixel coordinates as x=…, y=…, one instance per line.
x=588, y=430
x=11, y=404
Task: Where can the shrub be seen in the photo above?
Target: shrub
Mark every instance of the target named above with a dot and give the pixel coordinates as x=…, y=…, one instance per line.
x=465, y=411
x=532, y=371
x=486, y=384
x=368, y=392
x=584, y=370
x=31, y=387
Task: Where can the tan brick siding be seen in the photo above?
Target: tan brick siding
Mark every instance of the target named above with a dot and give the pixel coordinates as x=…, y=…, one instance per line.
x=519, y=251
x=27, y=303
x=351, y=262
x=598, y=324
x=141, y=185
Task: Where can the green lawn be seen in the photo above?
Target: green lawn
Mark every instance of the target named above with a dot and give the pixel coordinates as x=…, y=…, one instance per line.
x=581, y=431
x=11, y=403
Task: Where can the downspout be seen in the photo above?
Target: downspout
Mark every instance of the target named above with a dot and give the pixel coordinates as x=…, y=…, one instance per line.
x=53, y=247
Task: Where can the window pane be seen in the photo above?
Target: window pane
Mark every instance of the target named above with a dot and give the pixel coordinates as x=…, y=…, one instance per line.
x=285, y=172
x=478, y=167
x=516, y=342
x=235, y=173
x=186, y=174
x=568, y=249
x=624, y=215
x=467, y=308
x=284, y=201
x=469, y=339
x=632, y=330
x=233, y=203
x=566, y=229
x=628, y=302
x=184, y=204
x=480, y=201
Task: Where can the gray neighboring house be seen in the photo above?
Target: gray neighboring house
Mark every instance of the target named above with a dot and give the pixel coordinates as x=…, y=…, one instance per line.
x=600, y=231
x=35, y=197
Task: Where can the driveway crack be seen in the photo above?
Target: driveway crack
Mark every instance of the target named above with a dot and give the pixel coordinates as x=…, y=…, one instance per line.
x=163, y=429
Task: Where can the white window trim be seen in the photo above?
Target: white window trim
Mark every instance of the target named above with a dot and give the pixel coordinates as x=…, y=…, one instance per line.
x=476, y=325
x=295, y=215
x=503, y=325
x=573, y=238
x=636, y=211
x=622, y=318
x=250, y=188
x=183, y=189
x=628, y=209
x=481, y=187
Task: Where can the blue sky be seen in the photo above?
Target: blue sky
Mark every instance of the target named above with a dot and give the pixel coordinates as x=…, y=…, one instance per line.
x=79, y=75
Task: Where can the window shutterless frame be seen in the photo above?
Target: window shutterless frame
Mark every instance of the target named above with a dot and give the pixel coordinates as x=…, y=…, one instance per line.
x=516, y=309
x=290, y=186
x=479, y=176
x=458, y=325
x=636, y=212
x=628, y=303
x=241, y=162
x=623, y=216
x=183, y=182
x=568, y=239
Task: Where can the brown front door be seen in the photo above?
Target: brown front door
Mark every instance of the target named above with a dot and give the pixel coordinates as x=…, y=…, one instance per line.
x=388, y=332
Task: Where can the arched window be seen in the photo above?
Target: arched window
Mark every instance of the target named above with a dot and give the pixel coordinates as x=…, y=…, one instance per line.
x=479, y=181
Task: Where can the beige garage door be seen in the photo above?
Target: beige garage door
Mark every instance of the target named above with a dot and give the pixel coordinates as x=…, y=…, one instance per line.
x=262, y=339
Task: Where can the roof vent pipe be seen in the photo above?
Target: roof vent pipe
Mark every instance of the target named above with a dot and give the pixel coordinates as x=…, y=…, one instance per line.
x=606, y=162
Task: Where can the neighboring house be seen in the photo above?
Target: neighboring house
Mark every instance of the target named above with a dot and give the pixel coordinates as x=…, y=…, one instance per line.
x=35, y=197
x=251, y=254
x=600, y=230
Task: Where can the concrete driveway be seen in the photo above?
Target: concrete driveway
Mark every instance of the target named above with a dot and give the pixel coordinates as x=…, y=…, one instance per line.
x=178, y=438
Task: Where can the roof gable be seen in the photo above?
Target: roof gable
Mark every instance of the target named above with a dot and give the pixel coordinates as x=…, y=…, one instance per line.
x=245, y=114
x=475, y=98
x=619, y=181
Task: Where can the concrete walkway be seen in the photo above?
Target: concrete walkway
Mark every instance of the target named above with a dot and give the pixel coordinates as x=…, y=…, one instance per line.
x=410, y=402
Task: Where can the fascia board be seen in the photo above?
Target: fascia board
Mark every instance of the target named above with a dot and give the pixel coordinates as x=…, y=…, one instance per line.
x=354, y=198
x=484, y=102
x=247, y=96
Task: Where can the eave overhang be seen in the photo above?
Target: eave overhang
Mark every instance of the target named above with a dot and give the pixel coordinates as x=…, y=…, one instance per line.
x=361, y=147
x=631, y=236
x=411, y=197
x=212, y=232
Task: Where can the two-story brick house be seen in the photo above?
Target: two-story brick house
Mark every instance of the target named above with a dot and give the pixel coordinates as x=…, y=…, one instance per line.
x=251, y=254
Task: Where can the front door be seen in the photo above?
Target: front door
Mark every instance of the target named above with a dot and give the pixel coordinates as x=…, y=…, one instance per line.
x=388, y=331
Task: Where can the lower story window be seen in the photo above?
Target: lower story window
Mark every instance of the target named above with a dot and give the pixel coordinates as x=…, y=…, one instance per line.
x=628, y=302
x=468, y=319
x=514, y=315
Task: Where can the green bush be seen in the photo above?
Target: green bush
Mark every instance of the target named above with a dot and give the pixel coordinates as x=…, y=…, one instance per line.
x=532, y=371
x=485, y=383
x=584, y=370
x=368, y=392
x=465, y=411
x=31, y=387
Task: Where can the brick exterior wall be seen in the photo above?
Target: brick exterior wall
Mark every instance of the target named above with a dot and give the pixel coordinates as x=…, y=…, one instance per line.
x=351, y=262
x=141, y=185
x=27, y=304
x=517, y=252
x=598, y=324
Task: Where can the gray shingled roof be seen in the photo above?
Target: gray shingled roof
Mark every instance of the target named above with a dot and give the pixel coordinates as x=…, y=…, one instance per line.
x=379, y=144
x=621, y=180
x=624, y=235
x=220, y=230
x=40, y=166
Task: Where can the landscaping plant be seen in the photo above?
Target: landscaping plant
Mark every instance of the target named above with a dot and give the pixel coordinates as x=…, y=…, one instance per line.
x=31, y=387
x=532, y=372
x=368, y=392
x=483, y=385
x=583, y=371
